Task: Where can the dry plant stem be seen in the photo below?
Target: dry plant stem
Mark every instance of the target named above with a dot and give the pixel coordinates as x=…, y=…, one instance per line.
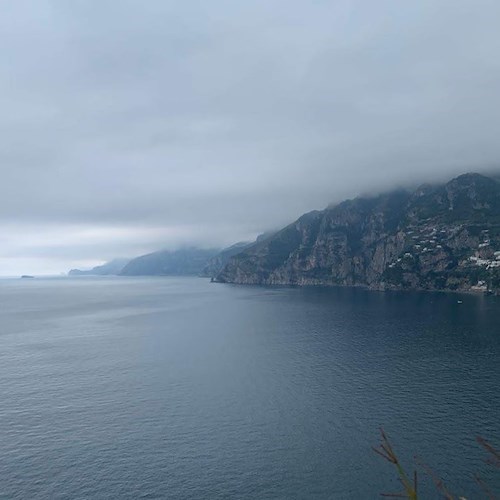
x=495, y=460
x=485, y=488
x=437, y=481
x=386, y=451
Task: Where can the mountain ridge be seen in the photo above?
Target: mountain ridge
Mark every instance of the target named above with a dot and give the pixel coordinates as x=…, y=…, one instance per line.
x=113, y=267
x=189, y=261
x=442, y=237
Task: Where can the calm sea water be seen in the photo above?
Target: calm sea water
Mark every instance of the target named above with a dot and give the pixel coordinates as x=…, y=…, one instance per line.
x=178, y=388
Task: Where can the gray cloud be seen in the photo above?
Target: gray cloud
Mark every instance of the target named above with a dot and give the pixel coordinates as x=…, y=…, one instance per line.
x=206, y=122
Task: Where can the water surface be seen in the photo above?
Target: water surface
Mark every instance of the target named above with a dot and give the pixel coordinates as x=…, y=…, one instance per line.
x=178, y=388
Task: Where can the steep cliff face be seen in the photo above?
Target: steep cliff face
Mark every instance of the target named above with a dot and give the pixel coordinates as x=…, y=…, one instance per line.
x=215, y=264
x=444, y=237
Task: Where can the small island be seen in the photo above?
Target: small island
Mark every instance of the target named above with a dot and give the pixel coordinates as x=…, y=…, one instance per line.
x=24, y=276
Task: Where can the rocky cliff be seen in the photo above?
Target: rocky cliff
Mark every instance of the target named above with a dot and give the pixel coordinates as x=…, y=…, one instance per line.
x=443, y=237
x=215, y=264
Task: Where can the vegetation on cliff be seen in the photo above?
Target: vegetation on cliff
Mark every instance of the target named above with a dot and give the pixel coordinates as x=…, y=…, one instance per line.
x=444, y=237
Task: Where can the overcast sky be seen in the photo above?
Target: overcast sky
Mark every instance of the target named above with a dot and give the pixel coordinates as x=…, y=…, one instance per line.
x=129, y=126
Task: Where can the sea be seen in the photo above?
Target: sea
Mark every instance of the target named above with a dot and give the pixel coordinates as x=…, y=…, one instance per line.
x=178, y=388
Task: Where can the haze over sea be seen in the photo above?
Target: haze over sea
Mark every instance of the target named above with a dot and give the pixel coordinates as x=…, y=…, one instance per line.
x=179, y=388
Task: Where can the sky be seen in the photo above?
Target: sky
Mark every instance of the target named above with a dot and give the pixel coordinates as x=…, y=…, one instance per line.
x=129, y=126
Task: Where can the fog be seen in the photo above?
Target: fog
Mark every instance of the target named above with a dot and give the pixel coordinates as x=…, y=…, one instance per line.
x=130, y=126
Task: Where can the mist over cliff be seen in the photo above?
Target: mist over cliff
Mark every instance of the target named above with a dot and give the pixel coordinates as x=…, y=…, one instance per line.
x=182, y=262
x=444, y=237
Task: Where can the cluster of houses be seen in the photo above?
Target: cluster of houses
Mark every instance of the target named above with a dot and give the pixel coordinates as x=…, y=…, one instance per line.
x=428, y=240
x=424, y=240
x=488, y=263
x=435, y=247
x=431, y=239
x=486, y=256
